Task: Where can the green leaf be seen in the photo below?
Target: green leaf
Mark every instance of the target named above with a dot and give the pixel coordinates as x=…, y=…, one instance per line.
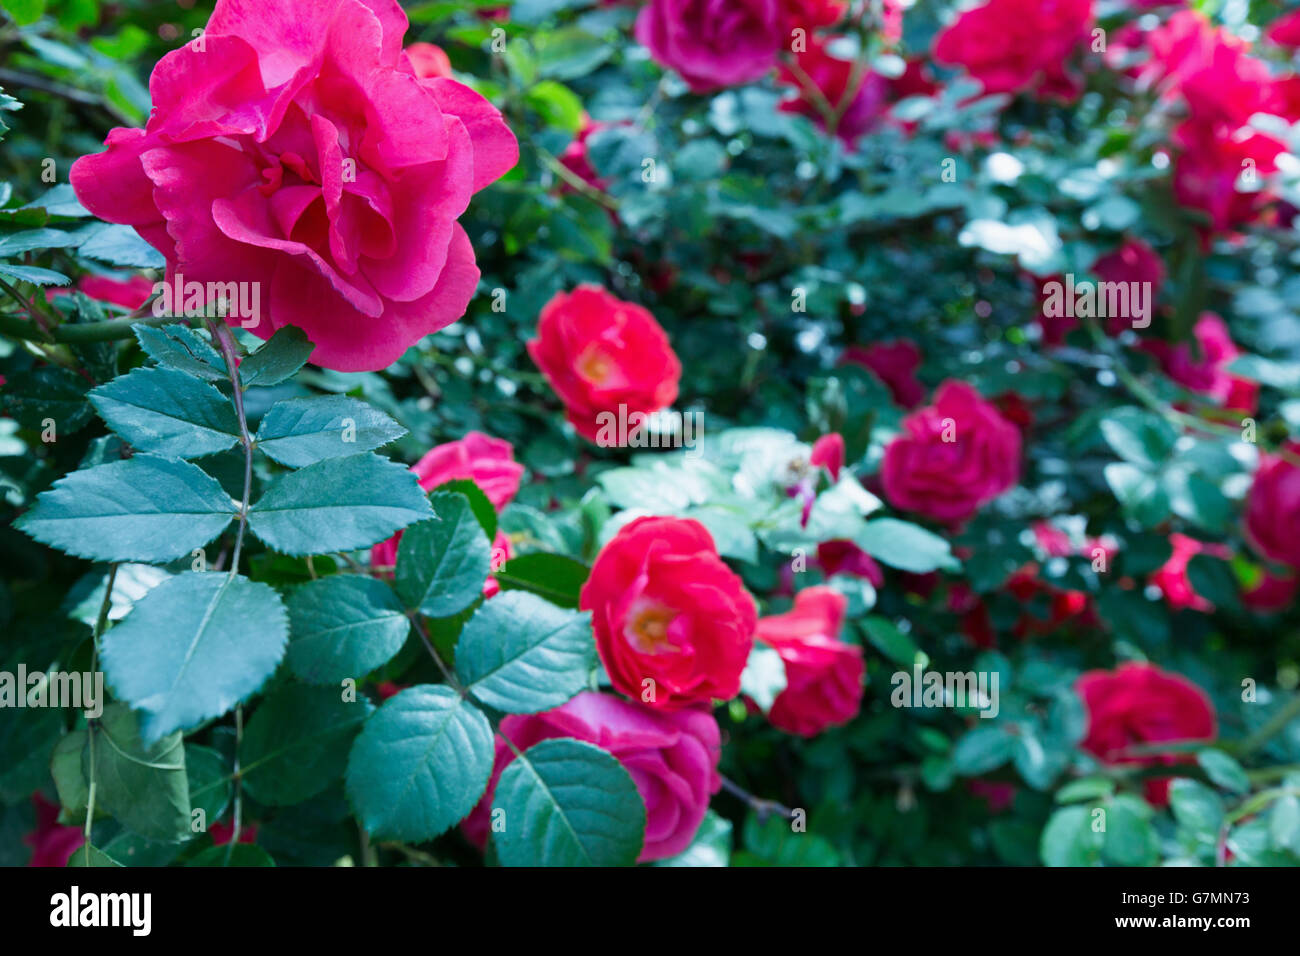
x=181, y=348
x=166, y=412
x=301, y=431
x=555, y=577
x=1130, y=839
x=981, y=750
x=478, y=501
x=568, y=803
x=209, y=777
x=420, y=764
x=120, y=246
x=87, y=855
x=145, y=787
x=1284, y=824
x=1197, y=808
x=343, y=626
x=32, y=397
x=520, y=655
x=193, y=647
x=241, y=854
x=25, y=11
x=278, y=359
x=558, y=105
x=1224, y=770
x=441, y=564
x=297, y=742
x=338, y=505
x=569, y=52
x=885, y=637
x=1088, y=788
x=65, y=768
x=1069, y=838
x=711, y=846
x=146, y=509
x=1140, y=493
x=1139, y=436
x=33, y=275
x=906, y=546
x=1198, y=500
x=775, y=842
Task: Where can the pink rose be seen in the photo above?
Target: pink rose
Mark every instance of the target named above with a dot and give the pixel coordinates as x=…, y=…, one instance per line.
x=1273, y=508
x=952, y=457
x=1207, y=375
x=128, y=294
x=293, y=150
x=672, y=757
x=429, y=60
x=488, y=462
x=713, y=43
x=1272, y=592
x=842, y=556
x=1285, y=30
x=1171, y=577
x=1016, y=45
x=833, y=78
x=895, y=363
x=823, y=673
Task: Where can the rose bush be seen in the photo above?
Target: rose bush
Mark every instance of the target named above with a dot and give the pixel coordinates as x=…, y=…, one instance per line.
x=750, y=432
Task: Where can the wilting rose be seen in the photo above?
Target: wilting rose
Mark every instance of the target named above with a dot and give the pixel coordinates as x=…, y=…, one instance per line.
x=51, y=842
x=1207, y=375
x=488, y=462
x=672, y=757
x=667, y=610
x=894, y=363
x=952, y=457
x=1171, y=577
x=859, y=106
x=1142, y=704
x=713, y=43
x=1273, y=508
x=1015, y=45
x=1133, y=262
x=429, y=60
x=823, y=673
x=293, y=150
x=600, y=353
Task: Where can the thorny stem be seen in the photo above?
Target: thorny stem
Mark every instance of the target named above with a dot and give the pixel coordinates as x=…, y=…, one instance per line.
x=757, y=804
x=111, y=330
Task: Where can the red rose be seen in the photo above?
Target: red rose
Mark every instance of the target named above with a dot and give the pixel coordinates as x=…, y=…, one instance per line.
x=1272, y=592
x=895, y=363
x=127, y=293
x=575, y=158
x=1285, y=30
x=842, y=556
x=1141, y=704
x=672, y=757
x=488, y=462
x=1273, y=508
x=667, y=610
x=604, y=355
x=952, y=457
x=1014, y=45
x=715, y=43
x=823, y=673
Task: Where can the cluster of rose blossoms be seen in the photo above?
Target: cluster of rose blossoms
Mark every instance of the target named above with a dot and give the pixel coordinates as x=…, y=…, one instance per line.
x=304, y=149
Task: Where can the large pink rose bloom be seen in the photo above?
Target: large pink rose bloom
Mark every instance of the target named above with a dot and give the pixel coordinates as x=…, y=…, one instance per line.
x=952, y=457
x=1208, y=374
x=823, y=673
x=713, y=43
x=293, y=146
x=1015, y=45
x=672, y=757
